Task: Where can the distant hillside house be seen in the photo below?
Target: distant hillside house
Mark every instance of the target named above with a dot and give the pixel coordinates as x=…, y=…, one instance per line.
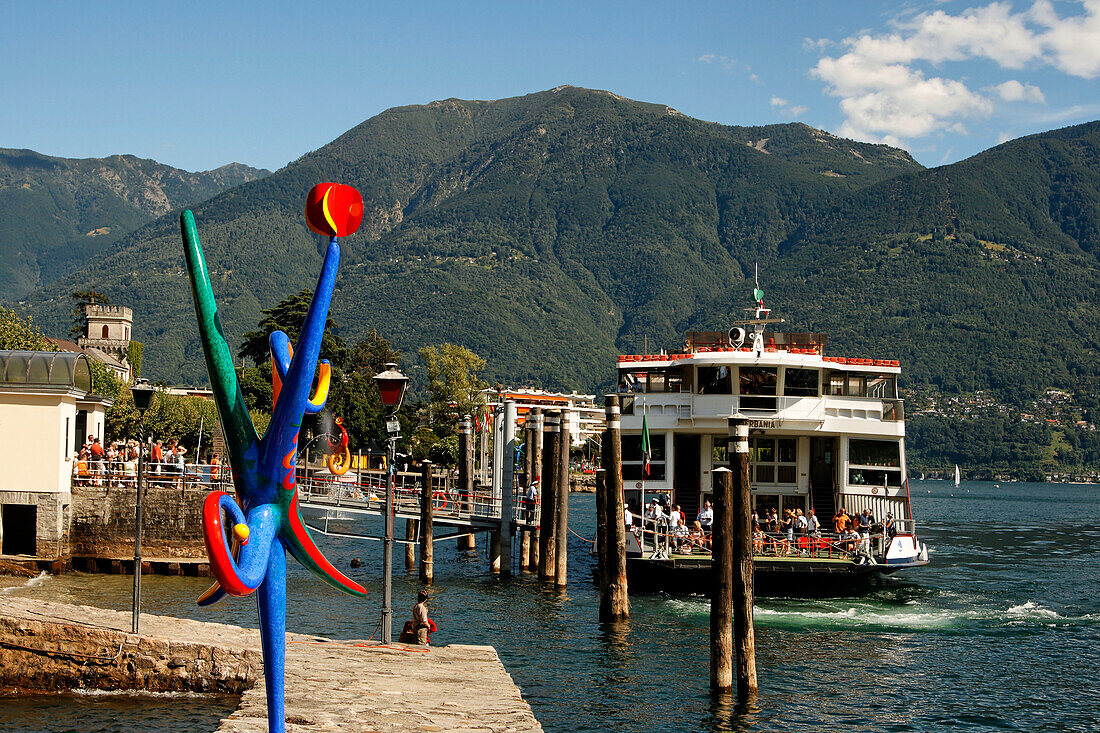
x=106, y=338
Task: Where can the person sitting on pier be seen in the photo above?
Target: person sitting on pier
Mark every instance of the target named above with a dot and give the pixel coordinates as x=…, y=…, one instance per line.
x=757, y=540
x=417, y=630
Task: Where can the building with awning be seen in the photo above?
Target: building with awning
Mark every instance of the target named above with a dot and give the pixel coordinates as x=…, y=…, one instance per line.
x=47, y=409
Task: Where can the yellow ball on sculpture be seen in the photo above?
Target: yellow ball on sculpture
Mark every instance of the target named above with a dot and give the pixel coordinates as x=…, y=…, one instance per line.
x=240, y=532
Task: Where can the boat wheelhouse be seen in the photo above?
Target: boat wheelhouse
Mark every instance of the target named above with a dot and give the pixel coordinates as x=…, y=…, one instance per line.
x=825, y=433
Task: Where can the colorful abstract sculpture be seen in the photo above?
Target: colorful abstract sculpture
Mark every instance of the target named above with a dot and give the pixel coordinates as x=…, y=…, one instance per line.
x=266, y=523
x=339, y=456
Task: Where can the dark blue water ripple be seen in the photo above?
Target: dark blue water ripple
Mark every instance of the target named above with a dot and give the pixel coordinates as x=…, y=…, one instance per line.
x=1001, y=632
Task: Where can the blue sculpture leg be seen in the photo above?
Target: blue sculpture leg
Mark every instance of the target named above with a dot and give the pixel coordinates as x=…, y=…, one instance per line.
x=271, y=600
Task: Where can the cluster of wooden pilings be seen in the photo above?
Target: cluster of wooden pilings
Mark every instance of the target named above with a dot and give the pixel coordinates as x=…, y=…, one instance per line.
x=542, y=522
x=731, y=623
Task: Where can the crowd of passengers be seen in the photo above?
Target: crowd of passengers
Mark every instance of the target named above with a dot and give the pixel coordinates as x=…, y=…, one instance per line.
x=166, y=462
x=770, y=532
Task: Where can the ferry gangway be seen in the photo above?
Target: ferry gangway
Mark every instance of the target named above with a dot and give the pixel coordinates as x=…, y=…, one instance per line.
x=366, y=496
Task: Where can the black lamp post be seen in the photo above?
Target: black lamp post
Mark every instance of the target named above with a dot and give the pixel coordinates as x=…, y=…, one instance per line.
x=143, y=396
x=392, y=385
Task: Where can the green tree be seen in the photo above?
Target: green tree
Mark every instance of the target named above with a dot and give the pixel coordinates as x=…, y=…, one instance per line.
x=288, y=316
x=19, y=334
x=453, y=384
x=80, y=299
x=354, y=395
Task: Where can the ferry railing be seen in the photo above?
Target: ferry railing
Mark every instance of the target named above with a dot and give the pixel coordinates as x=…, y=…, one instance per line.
x=660, y=542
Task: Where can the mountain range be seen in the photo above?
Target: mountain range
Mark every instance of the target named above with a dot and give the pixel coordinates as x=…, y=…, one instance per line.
x=552, y=231
x=58, y=215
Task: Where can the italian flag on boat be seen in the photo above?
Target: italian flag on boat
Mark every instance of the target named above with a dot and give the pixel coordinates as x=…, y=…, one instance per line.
x=647, y=452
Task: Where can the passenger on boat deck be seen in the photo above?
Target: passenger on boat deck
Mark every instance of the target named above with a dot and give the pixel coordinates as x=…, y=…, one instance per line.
x=655, y=512
x=705, y=517
x=757, y=539
x=850, y=538
x=679, y=535
x=697, y=537
x=628, y=518
x=865, y=522
x=755, y=520
x=888, y=526
x=800, y=522
x=676, y=516
x=813, y=527
x=773, y=520
x=841, y=521
x=532, y=499
x=788, y=524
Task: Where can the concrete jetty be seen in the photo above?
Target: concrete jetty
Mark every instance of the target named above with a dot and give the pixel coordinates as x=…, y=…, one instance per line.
x=331, y=685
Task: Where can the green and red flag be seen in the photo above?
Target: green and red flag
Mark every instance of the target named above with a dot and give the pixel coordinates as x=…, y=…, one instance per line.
x=647, y=448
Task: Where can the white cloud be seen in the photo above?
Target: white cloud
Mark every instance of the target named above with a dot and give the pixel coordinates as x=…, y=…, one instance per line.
x=798, y=110
x=779, y=102
x=887, y=95
x=1014, y=91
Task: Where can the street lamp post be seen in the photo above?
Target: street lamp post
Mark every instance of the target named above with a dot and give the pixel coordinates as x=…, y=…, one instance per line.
x=391, y=386
x=143, y=396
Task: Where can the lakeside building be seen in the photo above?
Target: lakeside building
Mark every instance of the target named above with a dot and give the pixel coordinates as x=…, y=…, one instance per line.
x=46, y=411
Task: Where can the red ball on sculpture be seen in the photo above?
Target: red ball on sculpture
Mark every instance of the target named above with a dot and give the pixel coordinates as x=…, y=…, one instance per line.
x=334, y=209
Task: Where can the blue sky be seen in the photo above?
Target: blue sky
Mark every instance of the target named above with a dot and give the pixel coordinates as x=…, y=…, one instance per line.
x=200, y=84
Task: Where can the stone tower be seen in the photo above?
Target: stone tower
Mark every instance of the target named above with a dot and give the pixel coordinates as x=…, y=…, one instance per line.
x=107, y=330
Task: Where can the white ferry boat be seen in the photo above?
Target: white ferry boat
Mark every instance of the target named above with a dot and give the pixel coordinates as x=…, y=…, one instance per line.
x=826, y=433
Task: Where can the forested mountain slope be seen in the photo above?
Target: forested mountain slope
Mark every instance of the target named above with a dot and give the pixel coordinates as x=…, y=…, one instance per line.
x=58, y=214
x=546, y=232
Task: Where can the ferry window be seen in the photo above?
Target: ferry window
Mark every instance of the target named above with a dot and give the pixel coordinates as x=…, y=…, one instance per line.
x=656, y=382
x=759, y=380
x=874, y=477
x=800, y=382
x=836, y=384
x=856, y=386
x=675, y=380
x=715, y=380
x=758, y=386
x=788, y=447
x=874, y=452
x=633, y=461
x=773, y=460
x=881, y=386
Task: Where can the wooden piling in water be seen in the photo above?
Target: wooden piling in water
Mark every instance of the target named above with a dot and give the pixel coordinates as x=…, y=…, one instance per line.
x=536, y=467
x=466, y=475
x=561, y=513
x=742, y=574
x=548, y=511
x=601, y=525
x=721, y=600
x=427, y=514
x=614, y=596
x=410, y=544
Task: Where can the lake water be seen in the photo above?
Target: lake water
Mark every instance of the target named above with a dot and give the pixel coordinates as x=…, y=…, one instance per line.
x=1000, y=632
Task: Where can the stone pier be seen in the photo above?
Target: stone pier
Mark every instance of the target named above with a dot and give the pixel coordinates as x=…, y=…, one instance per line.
x=330, y=685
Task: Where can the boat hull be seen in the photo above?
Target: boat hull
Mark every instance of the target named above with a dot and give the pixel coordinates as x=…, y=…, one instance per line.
x=799, y=577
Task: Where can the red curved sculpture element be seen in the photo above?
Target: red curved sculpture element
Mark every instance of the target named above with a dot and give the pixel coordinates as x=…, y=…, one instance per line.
x=339, y=457
x=333, y=209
